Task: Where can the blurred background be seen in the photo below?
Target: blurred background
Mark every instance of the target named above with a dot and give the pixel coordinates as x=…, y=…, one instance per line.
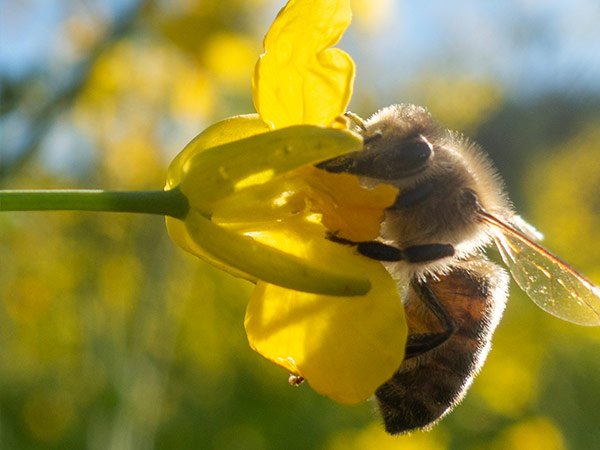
x=113, y=338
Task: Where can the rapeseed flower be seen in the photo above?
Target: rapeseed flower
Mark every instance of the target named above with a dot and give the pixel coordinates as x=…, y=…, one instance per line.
x=259, y=209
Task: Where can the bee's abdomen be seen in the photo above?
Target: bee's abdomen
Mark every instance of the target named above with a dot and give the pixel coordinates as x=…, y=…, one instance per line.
x=429, y=385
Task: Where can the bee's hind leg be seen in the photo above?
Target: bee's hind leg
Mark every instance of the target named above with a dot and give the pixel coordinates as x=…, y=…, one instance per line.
x=419, y=343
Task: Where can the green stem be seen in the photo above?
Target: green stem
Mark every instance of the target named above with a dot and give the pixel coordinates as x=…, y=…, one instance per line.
x=166, y=203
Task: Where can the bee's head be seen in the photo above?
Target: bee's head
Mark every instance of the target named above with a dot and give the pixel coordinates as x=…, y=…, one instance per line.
x=397, y=145
x=405, y=147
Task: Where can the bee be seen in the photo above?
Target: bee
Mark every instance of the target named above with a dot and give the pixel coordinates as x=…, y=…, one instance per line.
x=451, y=205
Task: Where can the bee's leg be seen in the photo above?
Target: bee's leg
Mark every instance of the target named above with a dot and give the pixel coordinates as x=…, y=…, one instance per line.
x=415, y=254
x=379, y=251
x=418, y=344
x=372, y=249
x=413, y=196
x=427, y=252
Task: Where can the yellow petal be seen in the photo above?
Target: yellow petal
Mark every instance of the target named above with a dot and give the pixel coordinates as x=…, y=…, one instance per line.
x=348, y=209
x=279, y=199
x=344, y=347
x=208, y=175
x=299, y=79
x=254, y=260
x=223, y=132
x=179, y=233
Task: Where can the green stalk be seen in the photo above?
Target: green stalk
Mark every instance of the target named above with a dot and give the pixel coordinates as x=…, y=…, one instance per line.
x=165, y=203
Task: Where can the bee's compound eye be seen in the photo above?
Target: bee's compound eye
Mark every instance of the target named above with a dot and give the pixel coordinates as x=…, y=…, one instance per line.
x=417, y=151
x=384, y=160
x=408, y=157
x=471, y=200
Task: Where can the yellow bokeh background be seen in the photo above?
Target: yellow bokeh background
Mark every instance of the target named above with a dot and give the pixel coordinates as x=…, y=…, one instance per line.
x=112, y=337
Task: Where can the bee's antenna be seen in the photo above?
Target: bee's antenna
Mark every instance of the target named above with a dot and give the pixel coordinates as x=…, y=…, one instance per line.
x=358, y=121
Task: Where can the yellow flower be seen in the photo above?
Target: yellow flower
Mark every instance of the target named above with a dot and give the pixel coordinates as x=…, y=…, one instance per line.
x=261, y=210
x=299, y=79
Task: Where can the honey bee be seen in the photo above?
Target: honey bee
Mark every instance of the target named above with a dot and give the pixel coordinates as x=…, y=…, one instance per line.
x=451, y=205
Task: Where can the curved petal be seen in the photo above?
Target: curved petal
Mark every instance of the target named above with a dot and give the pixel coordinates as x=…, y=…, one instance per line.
x=348, y=209
x=209, y=175
x=295, y=268
x=299, y=79
x=179, y=233
x=223, y=132
x=344, y=347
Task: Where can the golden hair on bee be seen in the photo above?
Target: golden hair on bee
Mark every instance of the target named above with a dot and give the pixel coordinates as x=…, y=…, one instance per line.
x=451, y=204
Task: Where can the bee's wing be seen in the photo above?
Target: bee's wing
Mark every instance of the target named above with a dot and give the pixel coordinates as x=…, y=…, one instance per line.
x=526, y=228
x=551, y=283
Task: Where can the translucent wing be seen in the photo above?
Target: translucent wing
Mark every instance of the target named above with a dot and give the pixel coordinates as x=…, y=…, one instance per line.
x=552, y=284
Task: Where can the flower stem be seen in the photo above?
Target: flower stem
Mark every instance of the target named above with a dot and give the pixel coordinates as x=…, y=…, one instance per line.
x=167, y=203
